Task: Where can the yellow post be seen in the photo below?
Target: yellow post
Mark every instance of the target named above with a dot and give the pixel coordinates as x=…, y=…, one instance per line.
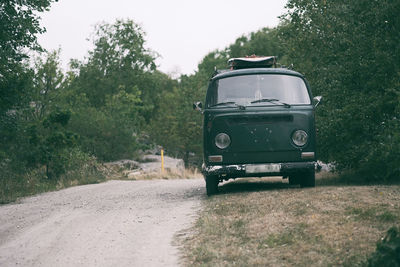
x=162, y=160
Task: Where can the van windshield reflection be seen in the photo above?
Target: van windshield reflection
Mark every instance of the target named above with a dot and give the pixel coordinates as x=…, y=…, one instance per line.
x=260, y=89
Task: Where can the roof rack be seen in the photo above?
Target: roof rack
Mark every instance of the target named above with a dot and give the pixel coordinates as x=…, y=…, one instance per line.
x=252, y=62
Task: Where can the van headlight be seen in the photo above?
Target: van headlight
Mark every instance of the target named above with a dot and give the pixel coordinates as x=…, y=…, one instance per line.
x=222, y=140
x=299, y=138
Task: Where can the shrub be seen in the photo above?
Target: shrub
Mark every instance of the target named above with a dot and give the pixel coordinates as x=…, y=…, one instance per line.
x=388, y=250
x=77, y=168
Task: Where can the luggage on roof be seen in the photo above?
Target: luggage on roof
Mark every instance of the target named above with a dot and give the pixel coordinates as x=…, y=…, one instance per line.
x=252, y=62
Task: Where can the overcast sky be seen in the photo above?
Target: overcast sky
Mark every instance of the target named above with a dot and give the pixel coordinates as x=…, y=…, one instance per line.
x=181, y=31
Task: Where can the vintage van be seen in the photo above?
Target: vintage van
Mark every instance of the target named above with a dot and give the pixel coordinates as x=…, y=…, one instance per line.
x=258, y=122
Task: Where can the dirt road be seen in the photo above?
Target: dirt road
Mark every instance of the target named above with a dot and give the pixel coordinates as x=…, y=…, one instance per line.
x=118, y=223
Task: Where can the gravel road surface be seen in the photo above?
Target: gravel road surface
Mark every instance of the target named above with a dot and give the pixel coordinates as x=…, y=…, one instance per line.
x=117, y=223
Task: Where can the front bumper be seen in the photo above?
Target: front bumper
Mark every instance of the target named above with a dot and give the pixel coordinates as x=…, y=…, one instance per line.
x=241, y=170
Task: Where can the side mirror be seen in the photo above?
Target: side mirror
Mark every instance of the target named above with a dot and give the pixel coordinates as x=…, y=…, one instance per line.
x=198, y=106
x=317, y=100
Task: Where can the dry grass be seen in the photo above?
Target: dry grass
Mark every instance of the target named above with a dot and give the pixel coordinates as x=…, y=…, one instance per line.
x=168, y=174
x=261, y=222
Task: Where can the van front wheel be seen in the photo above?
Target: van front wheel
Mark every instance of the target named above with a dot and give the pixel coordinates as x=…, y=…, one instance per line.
x=308, y=179
x=294, y=179
x=211, y=184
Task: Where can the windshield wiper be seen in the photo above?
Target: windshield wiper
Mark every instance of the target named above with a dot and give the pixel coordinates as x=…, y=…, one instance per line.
x=270, y=100
x=229, y=103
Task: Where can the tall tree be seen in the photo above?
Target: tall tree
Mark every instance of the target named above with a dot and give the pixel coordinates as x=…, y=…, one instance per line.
x=19, y=26
x=264, y=42
x=47, y=82
x=118, y=60
x=119, y=89
x=350, y=52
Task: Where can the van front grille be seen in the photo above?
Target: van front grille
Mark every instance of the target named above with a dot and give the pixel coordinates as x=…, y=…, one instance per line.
x=257, y=120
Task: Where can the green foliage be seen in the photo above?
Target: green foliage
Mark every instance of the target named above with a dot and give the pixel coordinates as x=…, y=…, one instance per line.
x=47, y=84
x=387, y=250
x=173, y=128
x=52, y=124
x=80, y=169
x=118, y=61
x=349, y=51
x=125, y=106
x=19, y=24
x=261, y=43
x=114, y=93
x=55, y=141
x=102, y=136
x=39, y=151
x=14, y=87
x=51, y=121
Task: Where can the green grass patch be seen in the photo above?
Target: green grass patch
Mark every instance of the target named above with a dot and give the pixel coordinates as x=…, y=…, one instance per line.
x=362, y=214
x=287, y=237
x=375, y=213
x=387, y=216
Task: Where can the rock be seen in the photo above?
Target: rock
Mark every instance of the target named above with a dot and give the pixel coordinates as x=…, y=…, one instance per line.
x=125, y=164
x=149, y=164
x=154, y=163
x=321, y=166
x=133, y=174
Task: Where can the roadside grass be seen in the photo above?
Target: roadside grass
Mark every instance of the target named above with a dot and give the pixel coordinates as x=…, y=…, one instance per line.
x=351, y=178
x=264, y=222
x=16, y=185
x=88, y=171
x=167, y=174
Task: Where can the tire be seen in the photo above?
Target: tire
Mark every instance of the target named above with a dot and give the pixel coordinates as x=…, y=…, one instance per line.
x=294, y=179
x=211, y=185
x=308, y=179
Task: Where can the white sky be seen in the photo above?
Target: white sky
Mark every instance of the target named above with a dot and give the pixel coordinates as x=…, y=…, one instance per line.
x=181, y=31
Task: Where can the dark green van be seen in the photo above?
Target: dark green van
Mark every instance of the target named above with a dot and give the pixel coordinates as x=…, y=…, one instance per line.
x=258, y=121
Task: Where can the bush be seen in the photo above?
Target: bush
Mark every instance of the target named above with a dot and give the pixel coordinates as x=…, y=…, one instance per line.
x=78, y=168
x=103, y=136
x=358, y=123
x=387, y=251
x=81, y=168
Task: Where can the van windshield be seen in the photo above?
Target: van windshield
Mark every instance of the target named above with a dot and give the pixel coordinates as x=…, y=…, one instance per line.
x=245, y=89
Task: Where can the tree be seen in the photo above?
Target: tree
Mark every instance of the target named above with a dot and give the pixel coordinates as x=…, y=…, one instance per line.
x=175, y=127
x=350, y=53
x=47, y=82
x=19, y=25
x=115, y=92
x=118, y=60
x=264, y=42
